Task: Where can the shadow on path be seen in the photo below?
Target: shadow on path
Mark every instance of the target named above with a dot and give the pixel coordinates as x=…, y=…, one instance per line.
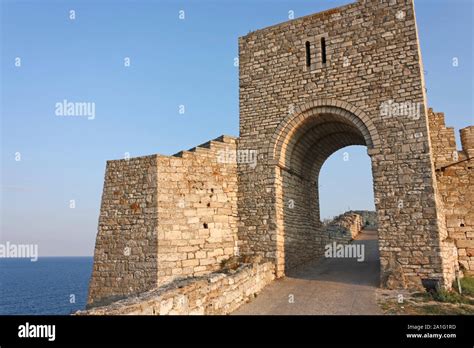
x=325, y=286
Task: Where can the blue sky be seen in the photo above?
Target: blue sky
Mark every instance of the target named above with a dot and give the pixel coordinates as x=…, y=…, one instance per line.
x=174, y=62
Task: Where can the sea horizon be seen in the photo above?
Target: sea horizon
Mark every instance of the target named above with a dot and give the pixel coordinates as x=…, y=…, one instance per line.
x=51, y=285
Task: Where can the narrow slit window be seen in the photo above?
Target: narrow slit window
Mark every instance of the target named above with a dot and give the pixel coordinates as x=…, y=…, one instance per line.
x=323, y=50
x=308, y=54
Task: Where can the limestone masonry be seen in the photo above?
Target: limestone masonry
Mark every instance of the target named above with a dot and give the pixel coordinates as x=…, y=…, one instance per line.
x=455, y=177
x=215, y=293
x=308, y=87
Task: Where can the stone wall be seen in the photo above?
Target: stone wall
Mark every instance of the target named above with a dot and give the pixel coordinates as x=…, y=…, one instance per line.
x=169, y=217
x=369, y=218
x=302, y=243
x=197, y=210
x=455, y=176
x=344, y=228
x=125, y=258
x=216, y=293
x=295, y=116
x=165, y=217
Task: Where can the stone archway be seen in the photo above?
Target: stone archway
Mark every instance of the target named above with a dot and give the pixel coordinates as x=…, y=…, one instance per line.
x=299, y=147
x=354, y=89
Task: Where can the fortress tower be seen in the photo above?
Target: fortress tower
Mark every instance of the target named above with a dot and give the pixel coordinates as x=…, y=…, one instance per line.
x=308, y=87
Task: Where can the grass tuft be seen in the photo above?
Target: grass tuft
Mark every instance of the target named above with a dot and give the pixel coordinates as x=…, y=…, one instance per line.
x=467, y=286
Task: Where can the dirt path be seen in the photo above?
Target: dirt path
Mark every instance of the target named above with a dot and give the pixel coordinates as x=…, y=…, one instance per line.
x=326, y=286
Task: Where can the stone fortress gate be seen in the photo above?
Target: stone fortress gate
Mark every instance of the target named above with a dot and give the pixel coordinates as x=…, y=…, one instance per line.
x=352, y=75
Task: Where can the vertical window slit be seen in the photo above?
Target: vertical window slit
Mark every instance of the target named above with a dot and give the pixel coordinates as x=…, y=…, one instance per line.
x=308, y=54
x=323, y=50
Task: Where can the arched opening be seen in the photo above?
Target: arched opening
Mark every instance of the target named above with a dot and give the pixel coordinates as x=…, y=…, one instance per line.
x=346, y=183
x=349, y=219
x=303, y=143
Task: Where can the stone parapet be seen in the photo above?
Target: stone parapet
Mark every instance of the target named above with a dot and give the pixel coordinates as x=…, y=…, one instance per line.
x=165, y=217
x=216, y=293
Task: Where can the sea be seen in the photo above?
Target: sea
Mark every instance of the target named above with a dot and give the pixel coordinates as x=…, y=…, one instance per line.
x=48, y=286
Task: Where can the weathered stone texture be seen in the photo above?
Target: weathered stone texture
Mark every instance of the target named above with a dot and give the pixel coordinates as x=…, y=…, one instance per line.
x=296, y=116
x=455, y=177
x=125, y=259
x=343, y=228
x=164, y=217
x=369, y=218
x=216, y=293
x=169, y=217
x=197, y=210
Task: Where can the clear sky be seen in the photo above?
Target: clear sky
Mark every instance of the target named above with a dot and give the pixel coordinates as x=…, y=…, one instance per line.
x=173, y=62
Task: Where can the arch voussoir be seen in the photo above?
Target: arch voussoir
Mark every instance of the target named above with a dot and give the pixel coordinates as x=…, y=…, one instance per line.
x=313, y=109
